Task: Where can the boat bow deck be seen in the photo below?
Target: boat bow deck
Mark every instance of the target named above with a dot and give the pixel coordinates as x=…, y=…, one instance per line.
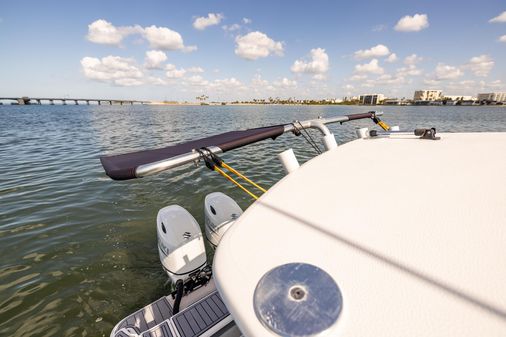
x=412, y=231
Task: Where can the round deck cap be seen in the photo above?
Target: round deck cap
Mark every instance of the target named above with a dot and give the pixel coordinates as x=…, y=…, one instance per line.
x=297, y=299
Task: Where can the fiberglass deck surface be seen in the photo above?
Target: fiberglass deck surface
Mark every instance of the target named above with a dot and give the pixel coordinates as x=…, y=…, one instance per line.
x=411, y=230
x=148, y=317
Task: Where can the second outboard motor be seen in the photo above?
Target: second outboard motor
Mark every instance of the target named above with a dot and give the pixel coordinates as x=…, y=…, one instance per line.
x=220, y=212
x=180, y=243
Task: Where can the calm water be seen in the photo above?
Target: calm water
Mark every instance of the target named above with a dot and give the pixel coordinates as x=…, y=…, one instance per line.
x=78, y=251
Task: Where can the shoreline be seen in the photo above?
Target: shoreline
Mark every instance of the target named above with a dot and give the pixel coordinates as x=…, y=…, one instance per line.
x=267, y=104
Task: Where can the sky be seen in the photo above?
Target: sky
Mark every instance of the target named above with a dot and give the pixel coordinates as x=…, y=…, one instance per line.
x=242, y=50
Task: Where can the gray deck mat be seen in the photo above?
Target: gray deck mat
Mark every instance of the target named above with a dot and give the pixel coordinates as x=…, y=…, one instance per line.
x=162, y=311
x=201, y=316
x=162, y=330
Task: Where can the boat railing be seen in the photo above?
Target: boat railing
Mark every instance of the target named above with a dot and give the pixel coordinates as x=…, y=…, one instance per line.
x=319, y=124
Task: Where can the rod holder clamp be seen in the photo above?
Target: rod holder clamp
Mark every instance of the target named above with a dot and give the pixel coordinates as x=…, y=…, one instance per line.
x=427, y=134
x=296, y=130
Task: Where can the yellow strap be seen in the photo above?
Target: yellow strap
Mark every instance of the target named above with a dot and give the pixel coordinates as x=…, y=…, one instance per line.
x=220, y=171
x=384, y=125
x=243, y=177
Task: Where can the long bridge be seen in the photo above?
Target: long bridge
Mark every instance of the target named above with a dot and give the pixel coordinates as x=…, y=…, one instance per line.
x=38, y=100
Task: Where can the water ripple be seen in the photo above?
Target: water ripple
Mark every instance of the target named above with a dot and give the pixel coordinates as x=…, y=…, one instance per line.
x=78, y=250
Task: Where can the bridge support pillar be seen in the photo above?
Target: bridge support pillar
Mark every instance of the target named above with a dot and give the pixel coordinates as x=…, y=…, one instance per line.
x=39, y=102
x=51, y=102
x=77, y=103
x=110, y=102
x=64, y=102
x=88, y=102
x=99, y=103
x=131, y=102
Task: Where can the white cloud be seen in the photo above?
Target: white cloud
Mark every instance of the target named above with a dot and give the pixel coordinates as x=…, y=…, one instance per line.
x=255, y=45
x=156, y=81
x=491, y=85
x=358, y=77
x=499, y=19
x=392, y=82
x=173, y=72
x=189, y=49
x=104, y=32
x=389, y=80
x=318, y=65
x=319, y=77
x=446, y=72
x=231, y=28
x=412, y=59
x=226, y=83
x=413, y=23
x=371, y=67
x=285, y=83
x=112, y=69
x=212, y=19
x=376, y=51
x=431, y=82
x=467, y=82
x=163, y=38
x=261, y=86
x=502, y=38
x=391, y=58
x=195, y=70
x=235, y=27
x=259, y=81
x=410, y=70
x=154, y=59
x=128, y=82
x=480, y=65
x=196, y=80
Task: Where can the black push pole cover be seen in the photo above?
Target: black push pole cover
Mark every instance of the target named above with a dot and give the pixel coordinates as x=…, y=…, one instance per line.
x=123, y=166
x=369, y=114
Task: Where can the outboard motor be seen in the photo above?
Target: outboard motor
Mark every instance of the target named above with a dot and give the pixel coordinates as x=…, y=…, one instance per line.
x=220, y=212
x=180, y=243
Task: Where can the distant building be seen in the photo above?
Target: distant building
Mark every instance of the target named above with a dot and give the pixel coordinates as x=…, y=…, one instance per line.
x=395, y=101
x=492, y=97
x=350, y=98
x=458, y=98
x=428, y=95
x=333, y=100
x=371, y=99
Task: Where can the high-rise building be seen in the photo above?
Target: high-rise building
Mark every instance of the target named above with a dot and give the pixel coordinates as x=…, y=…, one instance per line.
x=492, y=97
x=428, y=95
x=371, y=99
